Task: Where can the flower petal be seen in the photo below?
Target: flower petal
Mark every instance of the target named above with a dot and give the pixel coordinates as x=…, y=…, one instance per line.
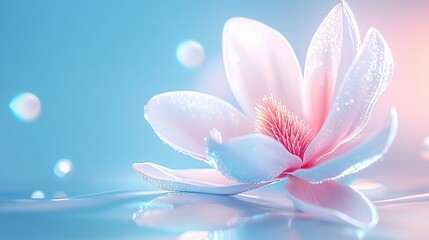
x=332, y=200
x=368, y=151
x=331, y=52
x=260, y=62
x=191, y=180
x=366, y=80
x=183, y=119
x=254, y=158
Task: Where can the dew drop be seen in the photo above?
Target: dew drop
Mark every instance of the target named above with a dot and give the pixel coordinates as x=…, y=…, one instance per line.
x=26, y=106
x=38, y=195
x=190, y=53
x=63, y=167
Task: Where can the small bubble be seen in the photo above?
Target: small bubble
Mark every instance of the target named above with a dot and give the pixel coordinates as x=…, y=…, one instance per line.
x=190, y=53
x=26, y=106
x=63, y=167
x=338, y=109
x=38, y=195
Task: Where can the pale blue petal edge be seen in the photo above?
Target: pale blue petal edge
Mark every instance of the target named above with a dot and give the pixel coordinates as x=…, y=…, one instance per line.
x=253, y=158
x=207, y=181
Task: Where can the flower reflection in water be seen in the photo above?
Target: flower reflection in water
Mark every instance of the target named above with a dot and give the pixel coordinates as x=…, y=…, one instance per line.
x=196, y=216
x=201, y=216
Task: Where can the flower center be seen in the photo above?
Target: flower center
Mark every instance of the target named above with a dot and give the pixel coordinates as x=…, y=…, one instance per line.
x=275, y=121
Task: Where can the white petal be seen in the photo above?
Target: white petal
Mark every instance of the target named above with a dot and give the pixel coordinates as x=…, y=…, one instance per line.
x=260, y=62
x=333, y=201
x=361, y=156
x=367, y=78
x=254, y=158
x=191, y=180
x=331, y=52
x=183, y=119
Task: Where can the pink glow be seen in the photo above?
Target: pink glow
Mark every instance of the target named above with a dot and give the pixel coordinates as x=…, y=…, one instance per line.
x=275, y=121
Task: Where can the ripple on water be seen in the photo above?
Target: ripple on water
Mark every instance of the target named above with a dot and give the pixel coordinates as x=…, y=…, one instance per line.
x=110, y=215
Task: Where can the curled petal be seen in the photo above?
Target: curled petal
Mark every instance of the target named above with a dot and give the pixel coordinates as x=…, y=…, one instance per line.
x=331, y=52
x=367, y=78
x=183, y=119
x=365, y=153
x=260, y=62
x=191, y=180
x=254, y=158
x=332, y=200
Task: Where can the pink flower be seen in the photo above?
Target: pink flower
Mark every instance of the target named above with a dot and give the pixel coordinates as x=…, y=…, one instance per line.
x=308, y=130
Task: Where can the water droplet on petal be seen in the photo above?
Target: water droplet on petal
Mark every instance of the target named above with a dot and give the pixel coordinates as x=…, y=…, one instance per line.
x=38, y=195
x=190, y=53
x=26, y=106
x=63, y=167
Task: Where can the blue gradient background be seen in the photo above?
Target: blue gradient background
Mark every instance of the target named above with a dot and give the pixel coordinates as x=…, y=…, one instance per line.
x=94, y=65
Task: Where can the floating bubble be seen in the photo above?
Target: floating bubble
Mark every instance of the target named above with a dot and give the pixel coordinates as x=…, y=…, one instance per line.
x=190, y=53
x=63, y=167
x=26, y=106
x=425, y=149
x=38, y=195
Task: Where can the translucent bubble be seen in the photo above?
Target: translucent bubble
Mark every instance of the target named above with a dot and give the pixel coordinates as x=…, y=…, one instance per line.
x=190, y=53
x=63, y=167
x=26, y=106
x=425, y=149
x=38, y=195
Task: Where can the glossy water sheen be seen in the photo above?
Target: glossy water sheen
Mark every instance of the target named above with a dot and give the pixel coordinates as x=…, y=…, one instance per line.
x=158, y=215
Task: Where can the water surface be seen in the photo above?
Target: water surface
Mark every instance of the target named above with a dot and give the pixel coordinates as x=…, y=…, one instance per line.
x=160, y=215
